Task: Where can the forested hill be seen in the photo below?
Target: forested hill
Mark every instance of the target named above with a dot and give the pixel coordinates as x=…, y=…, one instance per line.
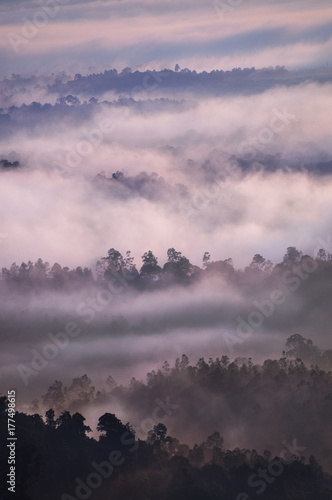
x=214, y=404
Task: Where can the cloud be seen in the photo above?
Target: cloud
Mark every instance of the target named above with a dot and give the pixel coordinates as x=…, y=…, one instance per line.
x=174, y=155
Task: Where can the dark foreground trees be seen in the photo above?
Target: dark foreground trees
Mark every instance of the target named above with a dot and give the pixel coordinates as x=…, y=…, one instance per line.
x=57, y=460
x=282, y=402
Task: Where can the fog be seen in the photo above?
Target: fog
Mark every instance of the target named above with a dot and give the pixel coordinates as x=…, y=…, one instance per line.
x=203, y=184
x=166, y=246
x=200, y=173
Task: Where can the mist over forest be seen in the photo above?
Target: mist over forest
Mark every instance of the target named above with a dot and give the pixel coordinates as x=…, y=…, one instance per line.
x=119, y=328
x=165, y=250
x=166, y=259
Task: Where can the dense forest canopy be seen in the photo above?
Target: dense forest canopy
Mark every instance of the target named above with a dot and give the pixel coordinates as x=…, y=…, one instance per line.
x=177, y=270
x=194, y=430
x=211, y=401
x=116, y=302
x=157, y=340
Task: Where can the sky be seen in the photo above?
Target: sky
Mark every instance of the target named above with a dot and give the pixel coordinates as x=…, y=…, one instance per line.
x=217, y=116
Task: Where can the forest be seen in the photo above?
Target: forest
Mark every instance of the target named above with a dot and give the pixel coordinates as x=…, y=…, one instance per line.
x=58, y=459
x=165, y=250
x=223, y=427
x=177, y=270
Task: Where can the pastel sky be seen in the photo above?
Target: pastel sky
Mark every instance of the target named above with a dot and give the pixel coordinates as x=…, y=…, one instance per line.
x=82, y=35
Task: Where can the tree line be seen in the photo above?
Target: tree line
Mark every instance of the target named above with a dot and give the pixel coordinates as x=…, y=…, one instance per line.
x=177, y=270
x=58, y=460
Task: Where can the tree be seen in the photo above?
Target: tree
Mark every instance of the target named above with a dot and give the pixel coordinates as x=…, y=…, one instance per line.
x=206, y=259
x=111, y=383
x=292, y=256
x=3, y=406
x=50, y=420
x=297, y=343
x=55, y=396
x=40, y=271
x=196, y=455
x=113, y=429
x=157, y=435
x=322, y=255
x=25, y=272
x=69, y=100
x=78, y=425
x=214, y=440
x=223, y=268
x=58, y=275
x=173, y=255
x=184, y=362
x=303, y=348
x=80, y=392
x=258, y=262
x=129, y=262
x=72, y=428
x=178, y=265
x=116, y=268
x=114, y=262
x=149, y=259
x=150, y=265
